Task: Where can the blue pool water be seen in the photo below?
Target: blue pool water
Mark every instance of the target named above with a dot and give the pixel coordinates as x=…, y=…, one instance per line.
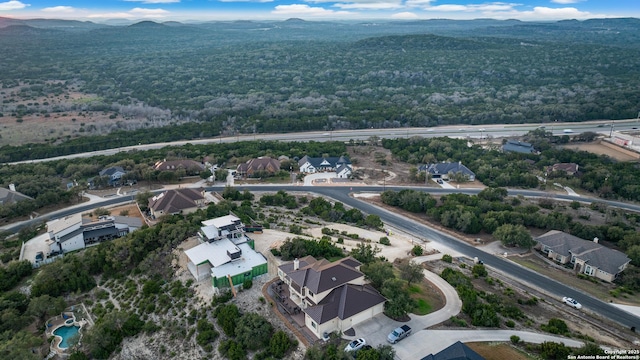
x=66, y=332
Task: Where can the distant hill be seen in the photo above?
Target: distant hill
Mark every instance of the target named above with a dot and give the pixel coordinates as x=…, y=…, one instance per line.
x=147, y=24
x=51, y=24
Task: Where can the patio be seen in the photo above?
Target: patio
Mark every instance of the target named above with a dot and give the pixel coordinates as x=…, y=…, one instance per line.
x=280, y=294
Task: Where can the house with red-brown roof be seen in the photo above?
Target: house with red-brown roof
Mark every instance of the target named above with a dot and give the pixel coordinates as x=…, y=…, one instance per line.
x=567, y=168
x=334, y=296
x=191, y=167
x=177, y=201
x=258, y=167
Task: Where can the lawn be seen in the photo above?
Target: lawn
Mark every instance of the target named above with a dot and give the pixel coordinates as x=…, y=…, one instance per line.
x=498, y=351
x=427, y=300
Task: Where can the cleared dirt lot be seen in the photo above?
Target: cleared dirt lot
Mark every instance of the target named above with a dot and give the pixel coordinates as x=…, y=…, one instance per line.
x=601, y=149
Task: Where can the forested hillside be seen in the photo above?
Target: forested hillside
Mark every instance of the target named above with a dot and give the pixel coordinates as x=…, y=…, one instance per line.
x=248, y=77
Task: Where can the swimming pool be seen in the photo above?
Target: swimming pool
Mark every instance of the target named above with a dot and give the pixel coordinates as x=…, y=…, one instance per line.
x=66, y=332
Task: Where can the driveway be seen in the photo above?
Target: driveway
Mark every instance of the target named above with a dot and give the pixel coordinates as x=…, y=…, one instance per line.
x=425, y=342
x=310, y=179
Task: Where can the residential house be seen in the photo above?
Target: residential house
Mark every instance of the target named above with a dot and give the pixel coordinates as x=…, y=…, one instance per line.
x=444, y=170
x=518, y=147
x=585, y=257
x=11, y=196
x=341, y=165
x=114, y=174
x=258, y=167
x=567, y=168
x=191, y=167
x=74, y=232
x=177, y=201
x=456, y=351
x=225, y=254
x=334, y=296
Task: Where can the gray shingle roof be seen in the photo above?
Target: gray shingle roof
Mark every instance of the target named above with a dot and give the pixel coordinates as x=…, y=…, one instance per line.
x=594, y=254
x=9, y=197
x=457, y=351
x=345, y=302
x=174, y=201
x=518, y=146
x=111, y=171
x=447, y=167
x=324, y=275
x=320, y=162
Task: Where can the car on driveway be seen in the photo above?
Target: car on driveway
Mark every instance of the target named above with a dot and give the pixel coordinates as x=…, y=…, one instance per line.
x=572, y=302
x=355, y=345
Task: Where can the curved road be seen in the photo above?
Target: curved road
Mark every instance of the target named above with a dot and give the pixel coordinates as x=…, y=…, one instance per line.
x=342, y=194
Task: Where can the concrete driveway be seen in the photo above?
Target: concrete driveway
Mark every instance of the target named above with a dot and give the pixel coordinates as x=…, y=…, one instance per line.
x=425, y=342
x=319, y=177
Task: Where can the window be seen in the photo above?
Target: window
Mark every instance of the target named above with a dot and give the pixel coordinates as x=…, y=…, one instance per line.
x=315, y=326
x=588, y=270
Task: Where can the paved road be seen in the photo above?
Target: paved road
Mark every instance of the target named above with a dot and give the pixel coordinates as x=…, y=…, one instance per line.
x=555, y=289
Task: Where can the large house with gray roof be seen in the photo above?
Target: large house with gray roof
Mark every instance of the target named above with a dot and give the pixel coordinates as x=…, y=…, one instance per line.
x=11, y=196
x=177, y=201
x=341, y=165
x=518, y=147
x=334, y=296
x=444, y=170
x=586, y=257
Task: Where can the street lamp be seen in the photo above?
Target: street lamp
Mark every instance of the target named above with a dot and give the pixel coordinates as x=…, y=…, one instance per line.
x=611, y=131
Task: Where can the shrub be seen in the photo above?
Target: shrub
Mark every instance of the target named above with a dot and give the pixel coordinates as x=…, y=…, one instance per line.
x=247, y=284
x=417, y=250
x=447, y=258
x=510, y=324
x=385, y=241
x=515, y=339
x=556, y=326
x=479, y=270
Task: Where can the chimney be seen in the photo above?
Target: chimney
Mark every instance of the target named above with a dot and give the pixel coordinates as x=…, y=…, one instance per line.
x=296, y=264
x=12, y=187
x=595, y=240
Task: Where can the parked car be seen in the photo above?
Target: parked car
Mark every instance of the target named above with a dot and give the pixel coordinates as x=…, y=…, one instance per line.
x=439, y=181
x=355, y=345
x=399, y=333
x=39, y=256
x=571, y=302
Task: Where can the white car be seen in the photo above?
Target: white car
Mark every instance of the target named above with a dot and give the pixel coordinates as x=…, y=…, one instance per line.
x=355, y=345
x=571, y=302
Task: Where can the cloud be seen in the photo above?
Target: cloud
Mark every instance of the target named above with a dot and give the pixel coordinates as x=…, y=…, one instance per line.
x=370, y=6
x=12, y=5
x=306, y=10
x=494, y=6
x=404, y=15
x=541, y=12
x=155, y=1
x=246, y=1
x=149, y=13
x=59, y=9
x=134, y=13
x=564, y=2
x=118, y=15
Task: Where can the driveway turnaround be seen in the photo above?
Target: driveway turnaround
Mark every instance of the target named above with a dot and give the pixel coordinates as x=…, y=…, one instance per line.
x=425, y=342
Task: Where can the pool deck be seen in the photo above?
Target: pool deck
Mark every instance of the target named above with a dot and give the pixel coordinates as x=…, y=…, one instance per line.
x=67, y=318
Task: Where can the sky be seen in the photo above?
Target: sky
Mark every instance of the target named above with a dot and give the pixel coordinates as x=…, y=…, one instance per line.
x=184, y=10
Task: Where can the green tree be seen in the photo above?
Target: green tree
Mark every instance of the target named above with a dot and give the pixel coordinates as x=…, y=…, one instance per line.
x=253, y=331
x=227, y=317
x=553, y=351
x=45, y=306
x=514, y=235
x=279, y=344
x=399, y=303
x=365, y=253
x=373, y=221
x=411, y=271
x=377, y=272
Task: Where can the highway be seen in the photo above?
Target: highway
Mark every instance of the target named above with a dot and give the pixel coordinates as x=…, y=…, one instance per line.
x=342, y=194
x=604, y=127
